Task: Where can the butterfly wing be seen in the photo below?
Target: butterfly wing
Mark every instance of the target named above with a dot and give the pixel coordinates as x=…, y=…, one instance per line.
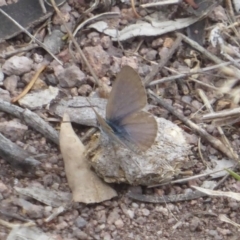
x=141, y=131
x=127, y=96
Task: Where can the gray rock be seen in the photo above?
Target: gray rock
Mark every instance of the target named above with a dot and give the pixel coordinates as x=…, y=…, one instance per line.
x=10, y=83
x=71, y=77
x=80, y=222
x=17, y=65
x=54, y=41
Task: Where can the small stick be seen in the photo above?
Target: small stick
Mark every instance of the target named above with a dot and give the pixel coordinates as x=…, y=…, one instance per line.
x=195, y=80
x=222, y=114
x=181, y=75
x=13, y=225
x=18, y=50
x=202, y=132
x=210, y=109
x=161, y=3
x=31, y=119
x=183, y=180
x=29, y=86
x=207, y=54
x=15, y=155
x=163, y=61
x=134, y=9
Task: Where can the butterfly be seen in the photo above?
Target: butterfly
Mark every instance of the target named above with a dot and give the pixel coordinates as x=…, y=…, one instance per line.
x=125, y=121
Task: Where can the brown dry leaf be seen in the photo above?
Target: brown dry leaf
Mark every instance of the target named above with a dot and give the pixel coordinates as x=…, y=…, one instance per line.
x=86, y=186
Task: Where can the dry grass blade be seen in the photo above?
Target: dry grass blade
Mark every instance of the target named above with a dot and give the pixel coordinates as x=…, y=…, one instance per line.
x=224, y=218
x=29, y=86
x=210, y=192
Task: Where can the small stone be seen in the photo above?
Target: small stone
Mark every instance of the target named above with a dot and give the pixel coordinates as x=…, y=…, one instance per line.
x=196, y=104
x=17, y=65
x=80, y=234
x=145, y=212
x=14, y=130
x=157, y=43
x=54, y=41
x=119, y=223
x=39, y=99
x=3, y=187
x=151, y=55
x=113, y=216
x=135, y=205
x=10, y=83
x=163, y=52
x=61, y=225
x=130, y=213
x=106, y=42
x=98, y=59
x=1, y=76
x=194, y=224
x=84, y=90
x=140, y=220
x=37, y=58
x=106, y=236
x=4, y=95
x=80, y=222
x=71, y=77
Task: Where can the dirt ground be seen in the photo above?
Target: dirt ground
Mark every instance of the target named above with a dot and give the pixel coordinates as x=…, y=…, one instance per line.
x=121, y=217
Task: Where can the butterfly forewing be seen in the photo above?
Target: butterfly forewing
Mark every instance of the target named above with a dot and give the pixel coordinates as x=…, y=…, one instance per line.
x=141, y=130
x=127, y=96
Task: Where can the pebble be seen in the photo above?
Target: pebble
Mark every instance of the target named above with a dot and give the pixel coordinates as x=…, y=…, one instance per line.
x=71, y=77
x=145, y=212
x=3, y=187
x=130, y=213
x=106, y=236
x=17, y=65
x=98, y=59
x=113, y=216
x=119, y=223
x=54, y=41
x=80, y=222
x=80, y=234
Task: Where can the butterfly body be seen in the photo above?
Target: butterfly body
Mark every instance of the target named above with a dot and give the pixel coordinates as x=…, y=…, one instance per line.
x=125, y=121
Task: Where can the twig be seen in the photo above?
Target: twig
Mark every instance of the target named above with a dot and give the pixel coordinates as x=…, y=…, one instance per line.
x=134, y=9
x=15, y=155
x=14, y=225
x=207, y=54
x=183, y=180
x=29, y=86
x=222, y=114
x=202, y=132
x=163, y=61
x=75, y=42
x=31, y=36
x=161, y=3
x=18, y=50
x=210, y=109
x=31, y=119
x=181, y=75
x=195, y=80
